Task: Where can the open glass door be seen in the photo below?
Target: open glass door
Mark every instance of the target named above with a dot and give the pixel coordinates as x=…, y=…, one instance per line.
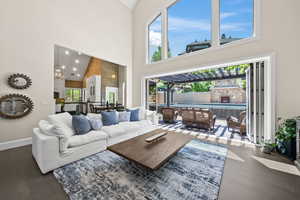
x=249, y=97
x=151, y=95
x=255, y=77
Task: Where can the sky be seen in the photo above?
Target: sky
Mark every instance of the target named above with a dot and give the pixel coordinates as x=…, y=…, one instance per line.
x=190, y=20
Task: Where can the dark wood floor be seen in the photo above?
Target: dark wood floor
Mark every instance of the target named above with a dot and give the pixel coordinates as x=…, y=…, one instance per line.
x=244, y=178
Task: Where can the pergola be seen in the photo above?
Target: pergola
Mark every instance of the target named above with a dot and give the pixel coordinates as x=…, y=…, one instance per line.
x=207, y=75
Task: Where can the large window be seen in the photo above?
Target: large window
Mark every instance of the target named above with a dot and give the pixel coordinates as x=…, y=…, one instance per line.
x=195, y=25
x=236, y=20
x=189, y=26
x=73, y=94
x=155, y=40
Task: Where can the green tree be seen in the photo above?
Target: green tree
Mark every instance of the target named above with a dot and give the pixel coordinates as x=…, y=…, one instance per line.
x=161, y=84
x=157, y=55
x=201, y=86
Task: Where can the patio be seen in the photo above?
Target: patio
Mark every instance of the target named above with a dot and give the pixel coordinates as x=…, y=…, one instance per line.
x=220, y=131
x=215, y=104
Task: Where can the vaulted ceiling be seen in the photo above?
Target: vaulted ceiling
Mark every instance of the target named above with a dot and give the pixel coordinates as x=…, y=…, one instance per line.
x=130, y=3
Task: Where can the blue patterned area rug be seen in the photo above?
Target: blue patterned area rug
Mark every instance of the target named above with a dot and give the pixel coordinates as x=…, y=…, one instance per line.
x=195, y=172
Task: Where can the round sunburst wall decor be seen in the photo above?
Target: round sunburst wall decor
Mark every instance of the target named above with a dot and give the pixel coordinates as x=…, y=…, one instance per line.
x=19, y=81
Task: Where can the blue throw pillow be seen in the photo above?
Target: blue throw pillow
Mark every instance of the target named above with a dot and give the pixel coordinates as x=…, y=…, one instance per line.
x=109, y=118
x=81, y=124
x=134, y=116
x=124, y=116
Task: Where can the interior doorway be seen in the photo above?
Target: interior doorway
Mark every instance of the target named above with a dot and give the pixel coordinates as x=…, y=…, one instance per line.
x=84, y=83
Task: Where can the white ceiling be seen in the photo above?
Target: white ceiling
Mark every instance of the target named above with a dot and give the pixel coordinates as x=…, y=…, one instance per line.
x=130, y=3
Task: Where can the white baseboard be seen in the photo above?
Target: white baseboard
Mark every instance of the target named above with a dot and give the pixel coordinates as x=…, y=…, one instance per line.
x=15, y=143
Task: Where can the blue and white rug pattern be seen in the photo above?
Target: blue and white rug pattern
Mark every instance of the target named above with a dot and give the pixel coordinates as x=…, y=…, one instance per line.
x=195, y=172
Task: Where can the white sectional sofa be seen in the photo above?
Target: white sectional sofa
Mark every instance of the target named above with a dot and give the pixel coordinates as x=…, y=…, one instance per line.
x=54, y=143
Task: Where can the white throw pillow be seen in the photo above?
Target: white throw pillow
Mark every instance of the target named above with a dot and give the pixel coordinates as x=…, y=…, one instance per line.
x=46, y=128
x=151, y=115
x=96, y=123
x=95, y=120
x=142, y=113
x=94, y=116
x=62, y=124
x=124, y=116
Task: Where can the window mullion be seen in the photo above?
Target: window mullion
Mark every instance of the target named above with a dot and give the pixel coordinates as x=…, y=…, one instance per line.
x=164, y=34
x=215, y=24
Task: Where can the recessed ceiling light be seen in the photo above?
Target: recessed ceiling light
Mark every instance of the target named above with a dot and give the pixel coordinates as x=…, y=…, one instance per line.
x=63, y=67
x=78, y=75
x=67, y=52
x=74, y=69
x=77, y=61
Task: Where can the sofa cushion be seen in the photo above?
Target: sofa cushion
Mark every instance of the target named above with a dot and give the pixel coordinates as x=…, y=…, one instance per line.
x=92, y=136
x=109, y=118
x=142, y=124
x=126, y=128
x=114, y=131
x=81, y=124
x=63, y=124
x=131, y=127
x=124, y=116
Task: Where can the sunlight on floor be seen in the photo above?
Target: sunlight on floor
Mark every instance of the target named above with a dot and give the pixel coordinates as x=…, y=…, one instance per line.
x=279, y=166
x=233, y=156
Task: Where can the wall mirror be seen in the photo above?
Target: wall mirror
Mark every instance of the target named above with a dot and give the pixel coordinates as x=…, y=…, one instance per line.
x=19, y=81
x=14, y=106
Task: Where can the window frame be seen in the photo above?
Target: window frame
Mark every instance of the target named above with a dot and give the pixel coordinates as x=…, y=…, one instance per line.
x=254, y=28
x=215, y=31
x=72, y=93
x=167, y=27
x=148, y=38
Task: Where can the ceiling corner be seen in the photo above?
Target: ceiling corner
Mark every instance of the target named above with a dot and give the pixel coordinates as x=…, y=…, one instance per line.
x=130, y=3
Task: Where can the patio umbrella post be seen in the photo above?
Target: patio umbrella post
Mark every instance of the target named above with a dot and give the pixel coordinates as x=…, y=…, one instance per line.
x=169, y=88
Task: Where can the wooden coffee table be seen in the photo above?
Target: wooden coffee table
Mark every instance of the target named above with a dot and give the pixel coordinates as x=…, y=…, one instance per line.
x=151, y=155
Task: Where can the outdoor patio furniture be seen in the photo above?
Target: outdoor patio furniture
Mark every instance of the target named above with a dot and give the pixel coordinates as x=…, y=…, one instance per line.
x=237, y=124
x=169, y=115
x=188, y=117
x=92, y=108
x=205, y=119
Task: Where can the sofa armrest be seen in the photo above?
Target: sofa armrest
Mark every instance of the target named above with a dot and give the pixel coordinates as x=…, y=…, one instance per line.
x=155, y=118
x=152, y=116
x=45, y=149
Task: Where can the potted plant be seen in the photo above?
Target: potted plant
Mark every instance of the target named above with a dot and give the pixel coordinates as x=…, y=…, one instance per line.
x=268, y=147
x=286, y=138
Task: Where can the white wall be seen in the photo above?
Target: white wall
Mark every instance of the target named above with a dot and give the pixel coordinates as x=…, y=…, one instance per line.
x=280, y=34
x=30, y=29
